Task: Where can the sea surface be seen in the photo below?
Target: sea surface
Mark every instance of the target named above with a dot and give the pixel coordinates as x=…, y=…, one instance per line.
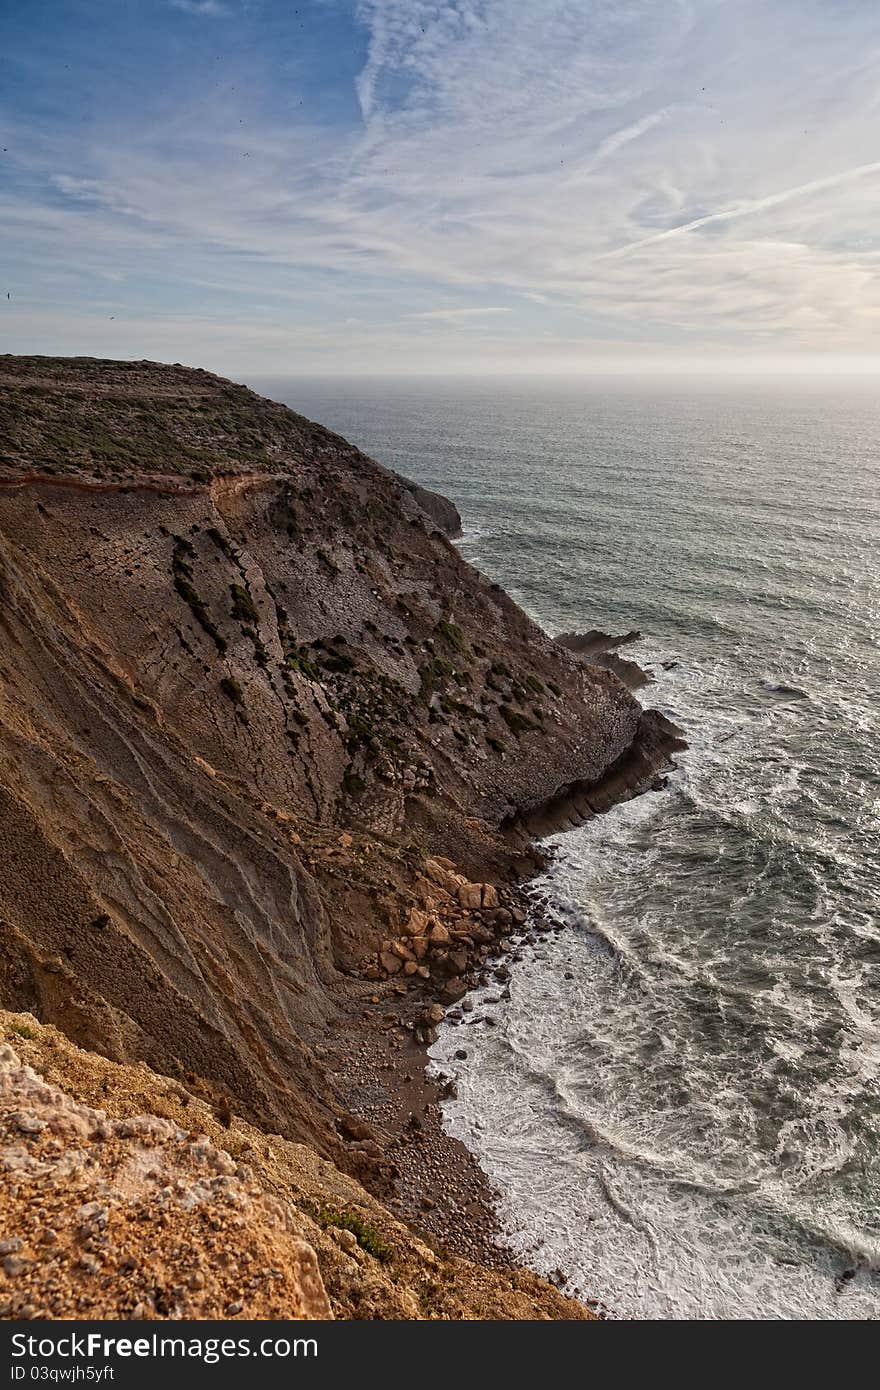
x=680, y=1100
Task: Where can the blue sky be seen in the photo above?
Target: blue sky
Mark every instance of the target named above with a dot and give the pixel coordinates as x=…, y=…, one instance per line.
x=411, y=186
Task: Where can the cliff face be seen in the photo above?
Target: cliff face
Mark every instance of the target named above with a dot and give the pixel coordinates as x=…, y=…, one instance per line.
x=246, y=686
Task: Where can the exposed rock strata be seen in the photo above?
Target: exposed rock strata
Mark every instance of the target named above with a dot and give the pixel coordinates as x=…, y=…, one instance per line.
x=257, y=715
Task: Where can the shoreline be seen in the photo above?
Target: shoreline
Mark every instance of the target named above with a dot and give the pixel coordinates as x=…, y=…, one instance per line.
x=381, y=1063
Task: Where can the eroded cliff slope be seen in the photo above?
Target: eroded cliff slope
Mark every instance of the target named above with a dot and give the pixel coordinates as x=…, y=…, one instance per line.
x=247, y=686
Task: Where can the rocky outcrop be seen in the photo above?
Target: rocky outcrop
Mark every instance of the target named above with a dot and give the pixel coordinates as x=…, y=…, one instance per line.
x=600, y=649
x=328, y=1239
x=135, y=1218
x=442, y=512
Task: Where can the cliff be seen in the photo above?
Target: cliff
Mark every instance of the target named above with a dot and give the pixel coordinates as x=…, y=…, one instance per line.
x=248, y=689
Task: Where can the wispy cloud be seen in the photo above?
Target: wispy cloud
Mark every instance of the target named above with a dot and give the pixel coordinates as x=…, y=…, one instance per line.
x=203, y=7
x=451, y=315
x=694, y=174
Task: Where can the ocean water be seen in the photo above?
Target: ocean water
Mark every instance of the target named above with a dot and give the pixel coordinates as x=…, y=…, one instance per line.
x=680, y=1100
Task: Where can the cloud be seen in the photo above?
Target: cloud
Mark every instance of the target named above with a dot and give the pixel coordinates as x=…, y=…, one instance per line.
x=451, y=315
x=202, y=7
x=689, y=174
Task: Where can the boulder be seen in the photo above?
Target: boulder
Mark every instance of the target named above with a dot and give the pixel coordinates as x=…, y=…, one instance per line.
x=457, y=961
x=439, y=872
x=453, y=990
x=390, y=963
x=470, y=895
x=417, y=922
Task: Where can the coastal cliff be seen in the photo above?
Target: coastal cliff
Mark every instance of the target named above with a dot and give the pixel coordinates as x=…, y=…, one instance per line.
x=271, y=752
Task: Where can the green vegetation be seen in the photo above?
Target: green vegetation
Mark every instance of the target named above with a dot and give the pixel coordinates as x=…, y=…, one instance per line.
x=360, y=730
x=297, y=661
x=243, y=605
x=223, y=543
x=452, y=636
x=182, y=575
x=260, y=652
x=517, y=723
x=368, y=1238
x=231, y=689
x=22, y=1030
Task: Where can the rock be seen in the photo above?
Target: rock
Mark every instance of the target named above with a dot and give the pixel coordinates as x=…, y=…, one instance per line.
x=461, y=1055
x=134, y=1217
x=453, y=990
x=417, y=923
x=419, y=947
x=470, y=896
x=434, y=1013
x=401, y=949
x=390, y=963
x=438, y=935
x=345, y=1239
x=435, y=506
x=490, y=895
x=502, y=918
x=30, y=1124
x=457, y=961
x=410, y=967
x=445, y=877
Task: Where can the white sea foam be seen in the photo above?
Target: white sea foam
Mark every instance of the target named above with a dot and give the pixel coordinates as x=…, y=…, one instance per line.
x=678, y=1102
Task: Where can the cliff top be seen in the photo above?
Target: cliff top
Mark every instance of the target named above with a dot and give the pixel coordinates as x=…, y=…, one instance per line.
x=91, y=418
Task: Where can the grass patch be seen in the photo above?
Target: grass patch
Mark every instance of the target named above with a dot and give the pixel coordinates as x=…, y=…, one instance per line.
x=243, y=605
x=516, y=722
x=231, y=689
x=452, y=635
x=368, y=1238
x=182, y=575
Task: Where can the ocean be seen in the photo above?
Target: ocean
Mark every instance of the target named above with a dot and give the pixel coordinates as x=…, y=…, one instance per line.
x=679, y=1102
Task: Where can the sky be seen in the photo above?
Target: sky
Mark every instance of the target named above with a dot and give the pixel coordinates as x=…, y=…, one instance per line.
x=410, y=186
